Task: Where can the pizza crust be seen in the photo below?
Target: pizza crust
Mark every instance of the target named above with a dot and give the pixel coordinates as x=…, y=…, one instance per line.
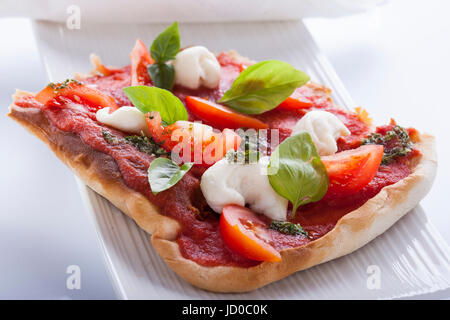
x=98, y=171
x=351, y=232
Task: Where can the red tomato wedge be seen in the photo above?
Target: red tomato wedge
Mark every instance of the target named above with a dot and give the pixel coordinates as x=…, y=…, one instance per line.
x=140, y=59
x=221, y=116
x=77, y=92
x=349, y=171
x=194, y=142
x=242, y=66
x=244, y=233
x=293, y=103
x=100, y=67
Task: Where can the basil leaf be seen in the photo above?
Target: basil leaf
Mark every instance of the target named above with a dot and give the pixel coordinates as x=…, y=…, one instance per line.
x=300, y=176
x=162, y=75
x=148, y=99
x=163, y=174
x=166, y=46
x=263, y=86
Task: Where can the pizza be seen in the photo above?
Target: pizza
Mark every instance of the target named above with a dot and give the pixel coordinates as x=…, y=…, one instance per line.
x=243, y=172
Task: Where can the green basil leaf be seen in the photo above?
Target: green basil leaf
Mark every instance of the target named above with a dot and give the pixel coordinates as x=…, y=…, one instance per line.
x=163, y=174
x=166, y=46
x=296, y=171
x=148, y=99
x=162, y=75
x=263, y=86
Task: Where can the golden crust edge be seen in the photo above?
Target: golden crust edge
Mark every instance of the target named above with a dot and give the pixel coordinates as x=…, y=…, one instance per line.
x=352, y=231
x=132, y=203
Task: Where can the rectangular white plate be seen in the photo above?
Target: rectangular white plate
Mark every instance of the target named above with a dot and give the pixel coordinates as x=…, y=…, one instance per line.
x=411, y=257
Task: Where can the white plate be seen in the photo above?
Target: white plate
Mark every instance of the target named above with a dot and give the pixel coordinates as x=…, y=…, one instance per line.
x=411, y=256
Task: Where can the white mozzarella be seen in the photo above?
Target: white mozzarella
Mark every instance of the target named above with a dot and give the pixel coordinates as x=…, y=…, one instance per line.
x=232, y=183
x=126, y=118
x=196, y=66
x=324, y=127
x=200, y=132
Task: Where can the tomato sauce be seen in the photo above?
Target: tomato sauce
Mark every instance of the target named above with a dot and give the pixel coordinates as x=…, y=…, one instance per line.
x=200, y=238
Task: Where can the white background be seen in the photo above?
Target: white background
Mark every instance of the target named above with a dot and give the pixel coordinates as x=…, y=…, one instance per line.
x=394, y=61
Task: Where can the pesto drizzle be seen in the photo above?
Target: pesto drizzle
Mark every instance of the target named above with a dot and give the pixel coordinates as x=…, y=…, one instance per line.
x=110, y=138
x=142, y=143
x=252, y=147
x=145, y=144
x=396, y=143
x=287, y=227
x=59, y=86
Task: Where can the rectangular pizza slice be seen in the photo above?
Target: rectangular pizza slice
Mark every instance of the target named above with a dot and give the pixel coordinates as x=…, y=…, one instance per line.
x=243, y=172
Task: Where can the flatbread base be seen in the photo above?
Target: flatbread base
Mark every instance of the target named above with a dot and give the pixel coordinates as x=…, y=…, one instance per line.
x=354, y=230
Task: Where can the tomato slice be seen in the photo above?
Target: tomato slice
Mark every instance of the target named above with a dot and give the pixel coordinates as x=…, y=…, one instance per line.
x=293, y=103
x=242, y=66
x=77, y=92
x=244, y=233
x=297, y=100
x=140, y=59
x=204, y=145
x=349, y=171
x=221, y=116
x=100, y=67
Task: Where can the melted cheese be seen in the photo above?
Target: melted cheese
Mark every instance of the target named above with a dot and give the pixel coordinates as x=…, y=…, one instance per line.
x=195, y=67
x=126, y=118
x=232, y=183
x=324, y=127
